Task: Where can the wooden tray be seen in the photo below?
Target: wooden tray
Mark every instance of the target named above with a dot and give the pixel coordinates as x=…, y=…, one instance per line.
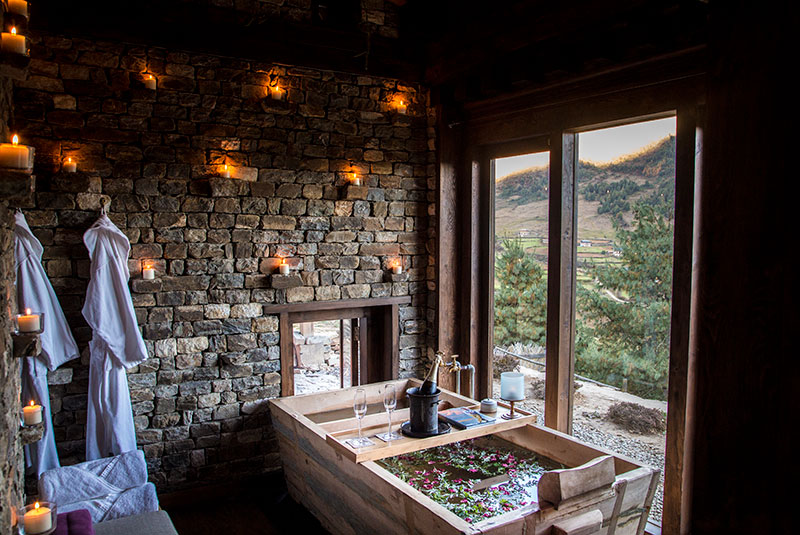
x=341, y=430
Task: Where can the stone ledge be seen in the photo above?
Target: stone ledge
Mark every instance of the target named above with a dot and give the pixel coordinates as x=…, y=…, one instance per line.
x=290, y=280
x=26, y=345
x=16, y=184
x=14, y=66
x=355, y=193
x=31, y=433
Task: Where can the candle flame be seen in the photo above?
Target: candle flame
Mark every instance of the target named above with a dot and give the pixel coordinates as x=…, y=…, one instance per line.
x=149, y=76
x=13, y=30
x=15, y=140
x=27, y=311
x=32, y=403
x=36, y=506
x=353, y=177
x=69, y=160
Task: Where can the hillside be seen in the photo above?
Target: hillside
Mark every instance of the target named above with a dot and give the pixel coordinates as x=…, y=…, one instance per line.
x=606, y=193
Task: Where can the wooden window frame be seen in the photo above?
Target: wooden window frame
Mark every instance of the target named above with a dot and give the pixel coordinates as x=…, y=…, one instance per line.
x=510, y=129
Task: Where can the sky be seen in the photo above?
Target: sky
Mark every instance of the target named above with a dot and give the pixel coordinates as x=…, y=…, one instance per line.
x=597, y=146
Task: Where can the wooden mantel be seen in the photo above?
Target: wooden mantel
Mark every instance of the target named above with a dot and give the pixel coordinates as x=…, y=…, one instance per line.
x=378, y=324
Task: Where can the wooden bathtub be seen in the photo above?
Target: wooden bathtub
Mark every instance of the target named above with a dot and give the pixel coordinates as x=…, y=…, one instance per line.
x=351, y=494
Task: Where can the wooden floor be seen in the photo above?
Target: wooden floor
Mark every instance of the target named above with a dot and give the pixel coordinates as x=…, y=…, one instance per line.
x=261, y=507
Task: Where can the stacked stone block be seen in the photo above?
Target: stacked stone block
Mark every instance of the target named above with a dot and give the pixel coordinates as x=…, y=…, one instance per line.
x=200, y=401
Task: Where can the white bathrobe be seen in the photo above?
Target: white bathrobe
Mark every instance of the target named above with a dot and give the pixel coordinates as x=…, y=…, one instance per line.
x=34, y=291
x=116, y=342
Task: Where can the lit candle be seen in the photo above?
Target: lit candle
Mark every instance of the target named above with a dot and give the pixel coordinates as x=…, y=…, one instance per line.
x=70, y=166
x=226, y=172
x=20, y=7
x=512, y=386
x=355, y=179
x=29, y=323
x=14, y=155
x=402, y=107
x=150, y=81
x=277, y=92
x=38, y=519
x=148, y=272
x=13, y=43
x=32, y=414
x=397, y=268
x=283, y=268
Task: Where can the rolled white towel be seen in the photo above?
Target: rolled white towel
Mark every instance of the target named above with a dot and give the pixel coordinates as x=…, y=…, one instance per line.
x=92, y=479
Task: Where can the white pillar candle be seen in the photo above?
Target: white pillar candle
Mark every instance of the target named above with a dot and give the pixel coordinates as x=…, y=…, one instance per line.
x=28, y=322
x=69, y=166
x=32, y=414
x=14, y=155
x=355, y=180
x=397, y=268
x=226, y=172
x=20, y=7
x=38, y=520
x=512, y=386
x=283, y=268
x=12, y=43
x=277, y=92
x=150, y=81
x=402, y=107
x=148, y=273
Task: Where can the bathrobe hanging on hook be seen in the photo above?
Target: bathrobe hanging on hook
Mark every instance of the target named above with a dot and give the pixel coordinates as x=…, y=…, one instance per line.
x=116, y=344
x=34, y=291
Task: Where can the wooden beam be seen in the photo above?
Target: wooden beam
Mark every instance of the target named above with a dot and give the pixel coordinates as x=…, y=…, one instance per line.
x=337, y=304
x=287, y=355
x=561, y=282
x=677, y=494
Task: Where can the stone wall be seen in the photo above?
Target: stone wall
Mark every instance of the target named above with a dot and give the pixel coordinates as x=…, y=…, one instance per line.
x=200, y=401
x=11, y=496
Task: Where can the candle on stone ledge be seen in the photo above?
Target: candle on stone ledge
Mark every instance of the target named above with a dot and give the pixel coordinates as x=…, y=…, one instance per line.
x=14, y=155
x=38, y=520
x=148, y=272
x=29, y=322
x=32, y=414
x=277, y=92
x=70, y=166
x=397, y=267
x=150, y=81
x=18, y=7
x=355, y=179
x=402, y=107
x=12, y=43
x=226, y=171
x=283, y=267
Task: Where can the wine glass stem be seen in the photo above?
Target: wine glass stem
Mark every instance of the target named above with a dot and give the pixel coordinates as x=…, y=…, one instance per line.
x=359, y=429
x=390, y=424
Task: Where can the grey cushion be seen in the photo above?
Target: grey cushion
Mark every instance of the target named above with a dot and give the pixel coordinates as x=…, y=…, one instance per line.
x=154, y=523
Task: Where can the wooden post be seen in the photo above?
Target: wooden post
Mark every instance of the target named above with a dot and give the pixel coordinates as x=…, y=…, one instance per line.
x=287, y=354
x=561, y=282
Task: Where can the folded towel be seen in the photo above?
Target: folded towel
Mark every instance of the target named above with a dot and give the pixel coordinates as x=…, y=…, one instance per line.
x=129, y=502
x=84, y=481
x=78, y=522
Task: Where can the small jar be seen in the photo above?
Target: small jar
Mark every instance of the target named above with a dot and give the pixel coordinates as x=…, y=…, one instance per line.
x=489, y=406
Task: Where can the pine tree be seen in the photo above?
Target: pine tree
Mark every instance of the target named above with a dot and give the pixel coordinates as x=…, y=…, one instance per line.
x=625, y=319
x=520, y=299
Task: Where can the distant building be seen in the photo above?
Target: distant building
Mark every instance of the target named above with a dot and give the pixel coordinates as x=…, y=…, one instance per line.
x=524, y=233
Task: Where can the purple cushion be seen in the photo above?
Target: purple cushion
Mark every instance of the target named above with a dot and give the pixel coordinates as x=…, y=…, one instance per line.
x=77, y=522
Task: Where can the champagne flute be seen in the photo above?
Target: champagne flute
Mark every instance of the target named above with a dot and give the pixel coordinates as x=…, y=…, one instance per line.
x=360, y=408
x=390, y=403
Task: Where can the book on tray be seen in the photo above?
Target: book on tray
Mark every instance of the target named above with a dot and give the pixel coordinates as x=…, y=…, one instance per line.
x=462, y=417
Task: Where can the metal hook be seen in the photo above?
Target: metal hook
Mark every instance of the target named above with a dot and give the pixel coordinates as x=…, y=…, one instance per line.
x=105, y=202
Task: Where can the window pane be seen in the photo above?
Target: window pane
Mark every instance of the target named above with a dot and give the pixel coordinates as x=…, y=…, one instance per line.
x=626, y=184
x=520, y=284
x=322, y=356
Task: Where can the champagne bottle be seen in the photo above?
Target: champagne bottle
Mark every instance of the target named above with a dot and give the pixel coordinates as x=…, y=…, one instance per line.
x=429, y=385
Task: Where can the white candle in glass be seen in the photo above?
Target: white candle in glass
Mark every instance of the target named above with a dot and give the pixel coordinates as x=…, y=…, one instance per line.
x=20, y=7
x=70, y=166
x=28, y=322
x=32, y=414
x=14, y=155
x=38, y=520
x=12, y=43
x=512, y=386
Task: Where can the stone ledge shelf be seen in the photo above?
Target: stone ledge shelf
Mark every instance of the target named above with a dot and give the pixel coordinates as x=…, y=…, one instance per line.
x=289, y=280
x=26, y=345
x=14, y=66
x=16, y=185
x=355, y=193
x=31, y=433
